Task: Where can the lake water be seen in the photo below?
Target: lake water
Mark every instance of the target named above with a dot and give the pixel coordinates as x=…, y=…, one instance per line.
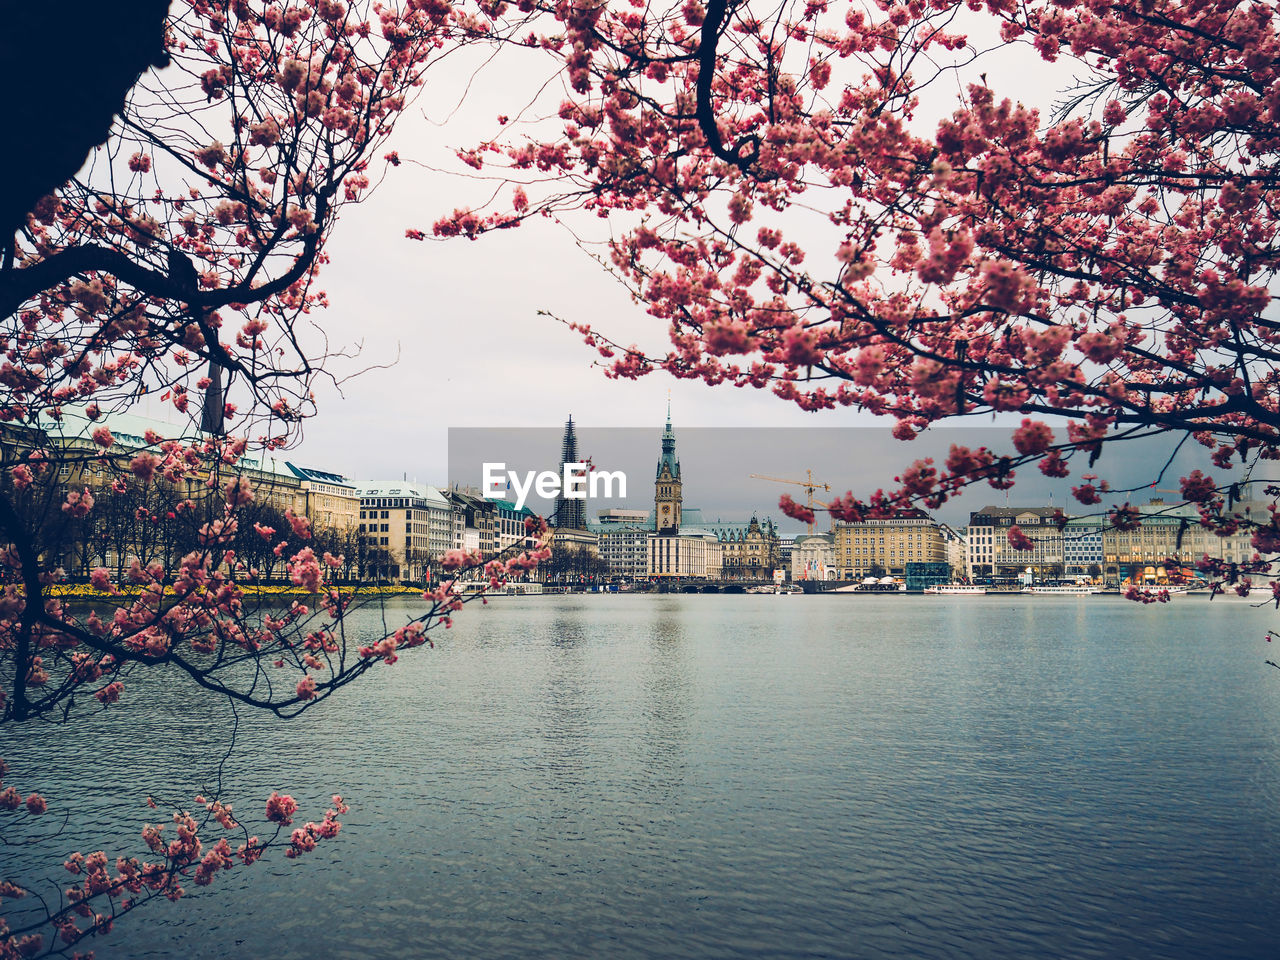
x=737, y=777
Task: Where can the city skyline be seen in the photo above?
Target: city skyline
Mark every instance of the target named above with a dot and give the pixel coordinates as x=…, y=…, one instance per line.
x=718, y=463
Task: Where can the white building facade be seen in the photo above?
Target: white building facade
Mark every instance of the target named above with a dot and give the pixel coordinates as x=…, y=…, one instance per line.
x=696, y=557
x=991, y=555
x=813, y=558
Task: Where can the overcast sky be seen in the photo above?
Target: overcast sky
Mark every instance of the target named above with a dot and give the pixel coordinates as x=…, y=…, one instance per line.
x=458, y=320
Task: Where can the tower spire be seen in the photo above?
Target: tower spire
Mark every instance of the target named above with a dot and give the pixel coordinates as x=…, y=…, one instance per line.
x=667, y=490
x=570, y=512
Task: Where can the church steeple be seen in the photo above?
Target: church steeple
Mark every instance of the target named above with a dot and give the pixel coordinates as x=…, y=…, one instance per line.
x=570, y=513
x=667, y=495
x=668, y=459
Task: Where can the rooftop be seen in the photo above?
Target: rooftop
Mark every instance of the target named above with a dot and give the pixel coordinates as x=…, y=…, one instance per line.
x=400, y=488
x=320, y=476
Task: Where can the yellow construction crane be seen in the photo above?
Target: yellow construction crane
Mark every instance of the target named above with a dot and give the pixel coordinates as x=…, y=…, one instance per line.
x=809, y=485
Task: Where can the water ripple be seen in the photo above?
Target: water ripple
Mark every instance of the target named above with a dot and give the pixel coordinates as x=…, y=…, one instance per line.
x=734, y=777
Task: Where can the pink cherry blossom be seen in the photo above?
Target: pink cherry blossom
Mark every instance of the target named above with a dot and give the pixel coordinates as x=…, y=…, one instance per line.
x=1019, y=540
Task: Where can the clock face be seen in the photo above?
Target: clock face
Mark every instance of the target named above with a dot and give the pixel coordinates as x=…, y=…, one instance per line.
x=666, y=509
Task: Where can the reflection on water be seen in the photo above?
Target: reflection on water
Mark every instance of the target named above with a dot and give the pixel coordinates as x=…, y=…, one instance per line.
x=563, y=703
x=706, y=777
x=667, y=687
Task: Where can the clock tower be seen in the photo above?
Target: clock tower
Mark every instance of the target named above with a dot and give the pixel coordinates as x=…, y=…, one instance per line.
x=667, y=496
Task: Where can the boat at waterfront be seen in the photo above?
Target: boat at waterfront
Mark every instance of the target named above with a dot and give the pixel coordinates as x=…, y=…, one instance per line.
x=957, y=589
x=1172, y=589
x=1062, y=589
x=873, y=585
x=515, y=589
x=521, y=589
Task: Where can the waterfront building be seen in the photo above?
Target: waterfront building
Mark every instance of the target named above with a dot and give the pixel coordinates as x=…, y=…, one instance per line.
x=813, y=557
x=749, y=553
x=922, y=574
x=439, y=525
x=785, y=547
x=332, y=501
x=1082, y=554
x=563, y=538
x=623, y=537
x=274, y=484
x=668, y=495
x=690, y=555
x=140, y=523
x=991, y=555
x=1169, y=540
x=747, y=550
x=622, y=517
x=877, y=548
x=1165, y=545
x=625, y=550
x=272, y=480
x=510, y=530
x=399, y=535
x=457, y=523
x=956, y=542
x=672, y=549
x=477, y=519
